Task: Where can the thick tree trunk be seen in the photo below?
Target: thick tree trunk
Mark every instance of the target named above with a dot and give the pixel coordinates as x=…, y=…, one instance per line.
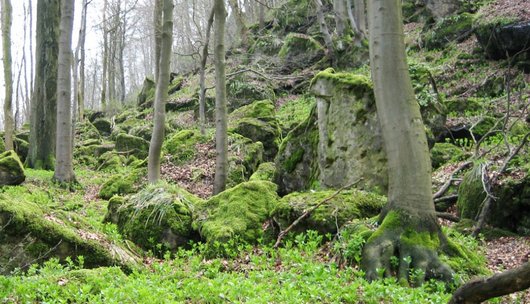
x=44, y=100
x=409, y=214
x=64, y=171
x=9, y=124
x=161, y=92
x=360, y=17
x=339, y=8
x=221, y=137
x=500, y=284
x=202, y=75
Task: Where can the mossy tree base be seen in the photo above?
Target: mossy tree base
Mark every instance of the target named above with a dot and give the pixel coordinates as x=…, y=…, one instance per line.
x=415, y=239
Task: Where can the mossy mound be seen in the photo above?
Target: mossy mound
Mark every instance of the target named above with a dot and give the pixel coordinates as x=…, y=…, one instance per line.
x=242, y=91
x=257, y=122
x=343, y=207
x=157, y=218
x=471, y=193
x=85, y=130
x=11, y=169
x=238, y=212
x=452, y=29
x=244, y=157
x=512, y=210
x=132, y=145
x=181, y=146
x=32, y=233
x=300, y=51
x=265, y=172
x=103, y=126
x=443, y=153
x=147, y=93
x=120, y=184
x=22, y=148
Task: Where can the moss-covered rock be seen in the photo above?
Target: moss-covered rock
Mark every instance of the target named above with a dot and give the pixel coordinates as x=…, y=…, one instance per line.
x=471, y=193
x=456, y=28
x=300, y=51
x=238, y=212
x=344, y=207
x=258, y=123
x=160, y=214
x=22, y=148
x=85, y=130
x=442, y=153
x=32, y=233
x=296, y=162
x=181, y=146
x=350, y=144
x=244, y=157
x=147, y=93
x=512, y=208
x=11, y=169
x=120, y=184
x=103, y=126
x=242, y=91
x=132, y=145
x=265, y=172
x=111, y=161
x=143, y=131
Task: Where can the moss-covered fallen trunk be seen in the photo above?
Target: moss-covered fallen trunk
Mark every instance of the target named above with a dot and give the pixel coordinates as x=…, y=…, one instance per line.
x=31, y=234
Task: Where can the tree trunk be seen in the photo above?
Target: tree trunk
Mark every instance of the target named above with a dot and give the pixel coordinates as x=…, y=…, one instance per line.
x=409, y=215
x=80, y=55
x=202, y=75
x=339, y=9
x=500, y=284
x=360, y=17
x=64, y=172
x=161, y=92
x=44, y=100
x=8, y=76
x=240, y=22
x=158, y=36
x=105, y=59
x=324, y=30
x=221, y=137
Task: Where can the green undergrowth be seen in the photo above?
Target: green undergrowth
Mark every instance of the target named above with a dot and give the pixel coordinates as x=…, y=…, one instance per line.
x=293, y=274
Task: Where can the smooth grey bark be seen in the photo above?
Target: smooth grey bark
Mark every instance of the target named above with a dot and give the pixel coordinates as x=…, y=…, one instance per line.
x=43, y=120
x=105, y=59
x=64, y=172
x=221, y=136
x=79, y=67
x=240, y=22
x=202, y=74
x=161, y=92
x=324, y=29
x=157, y=28
x=339, y=8
x=360, y=17
x=9, y=124
x=410, y=204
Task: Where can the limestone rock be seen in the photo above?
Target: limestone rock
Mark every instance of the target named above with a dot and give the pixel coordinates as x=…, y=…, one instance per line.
x=11, y=169
x=103, y=126
x=300, y=51
x=132, y=145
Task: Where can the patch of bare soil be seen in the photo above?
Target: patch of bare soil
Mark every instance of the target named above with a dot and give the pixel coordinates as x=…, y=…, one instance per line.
x=519, y=9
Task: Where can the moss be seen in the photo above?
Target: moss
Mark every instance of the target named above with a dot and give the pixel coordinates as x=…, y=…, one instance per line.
x=182, y=144
x=237, y=212
x=299, y=43
x=86, y=130
x=466, y=254
x=443, y=153
x=346, y=206
x=293, y=112
x=290, y=164
x=159, y=214
x=244, y=157
x=11, y=169
x=471, y=193
x=455, y=28
x=360, y=85
x=119, y=184
x=132, y=145
x=103, y=126
x=264, y=172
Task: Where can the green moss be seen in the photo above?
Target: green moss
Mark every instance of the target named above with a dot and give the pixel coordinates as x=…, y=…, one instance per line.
x=119, y=184
x=132, y=145
x=182, y=144
x=454, y=28
x=293, y=112
x=299, y=43
x=346, y=206
x=237, y=212
x=358, y=84
x=443, y=153
x=471, y=193
x=464, y=254
x=265, y=172
x=11, y=169
x=290, y=164
x=103, y=126
x=425, y=239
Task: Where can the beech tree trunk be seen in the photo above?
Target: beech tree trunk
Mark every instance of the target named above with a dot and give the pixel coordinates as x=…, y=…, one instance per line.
x=64, y=172
x=240, y=22
x=409, y=215
x=9, y=124
x=161, y=92
x=105, y=59
x=157, y=33
x=202, y=75
x=221, y=137
x=360, y=17
x=324, y=29
x=43, y=121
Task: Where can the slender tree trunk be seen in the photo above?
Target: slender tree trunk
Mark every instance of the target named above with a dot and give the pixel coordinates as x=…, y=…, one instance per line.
x=261, y=18
x=80, y=55
x=105, y=59
x=360, y=17
x=158, y=36
x=340, y=16
x=221, y=137
x=202, y=75
x=240, y=22
x=8, y=76
x=410, y=210
x=41, y=153
x=324, y=30
x=64, y=171
x=161, y=92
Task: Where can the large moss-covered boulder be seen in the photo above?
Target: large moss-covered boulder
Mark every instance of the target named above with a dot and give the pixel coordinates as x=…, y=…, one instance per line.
x=11, y=169
x=31, y=233
x=85, y=130
x=455, y=29
x=471, y=193
x=238, y=212
x=350, y=145
x=21, y=147
x=120, y=184
x=343, y=207
x=132, y=145
x=442, y=153
x=181, y=145
x=265, y=172
x=103, y=126
x=244, y=157
x=242, y=91
x=257, y=121
x=296, y=162
x=512, y=208
x=147, y=93
x=159, y=215
x=300, y=51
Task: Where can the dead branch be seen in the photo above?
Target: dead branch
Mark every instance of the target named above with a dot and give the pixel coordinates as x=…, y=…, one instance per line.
x=448, y=216
x=451, y=179
x=308, y=212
